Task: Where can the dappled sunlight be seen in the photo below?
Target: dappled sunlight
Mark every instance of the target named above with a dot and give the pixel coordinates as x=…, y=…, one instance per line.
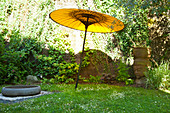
x=164, y=90
x=90, y=88
x=116, y=95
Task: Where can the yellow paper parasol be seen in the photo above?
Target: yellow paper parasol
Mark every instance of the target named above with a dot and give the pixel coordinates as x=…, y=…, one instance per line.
x=88, y=21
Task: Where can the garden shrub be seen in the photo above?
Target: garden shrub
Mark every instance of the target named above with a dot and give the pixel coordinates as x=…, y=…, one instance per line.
x=24, y=56
x=159, y=77
x=17, y=58
x=122, y=73
x=26, y=31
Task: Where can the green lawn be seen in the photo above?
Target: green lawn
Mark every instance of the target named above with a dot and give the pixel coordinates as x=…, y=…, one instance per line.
x=93, y=98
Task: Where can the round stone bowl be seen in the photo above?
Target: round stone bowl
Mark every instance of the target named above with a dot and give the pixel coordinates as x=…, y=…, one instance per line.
x=20, y=90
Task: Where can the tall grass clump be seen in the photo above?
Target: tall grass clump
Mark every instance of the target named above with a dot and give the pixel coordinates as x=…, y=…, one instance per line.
x=159, y=77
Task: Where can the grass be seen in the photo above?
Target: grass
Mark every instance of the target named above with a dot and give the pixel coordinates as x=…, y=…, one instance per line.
x=91, y=98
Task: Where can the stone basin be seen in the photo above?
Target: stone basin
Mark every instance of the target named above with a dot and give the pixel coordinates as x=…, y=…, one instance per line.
x=21, y=90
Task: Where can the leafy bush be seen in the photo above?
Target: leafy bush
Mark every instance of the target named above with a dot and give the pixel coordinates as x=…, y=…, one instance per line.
x=123, y=75
x=31, y=44
x=22, y=57
x=158, y=77
x=17, y=58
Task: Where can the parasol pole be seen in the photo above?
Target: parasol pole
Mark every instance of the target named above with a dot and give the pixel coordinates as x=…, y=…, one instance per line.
x=86, y=26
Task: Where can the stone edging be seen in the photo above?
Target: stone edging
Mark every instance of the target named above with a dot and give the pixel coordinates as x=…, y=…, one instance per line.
x=7, y=100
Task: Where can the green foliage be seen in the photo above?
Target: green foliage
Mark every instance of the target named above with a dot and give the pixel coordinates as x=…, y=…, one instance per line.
x=134, y=17
x=31, y=44
x=45, y=80
x=93, y=79
x=96, y=57
x=129, y=81
x=59, y=79
x=86, y=58
x=15, y=60
x=123, y=75
x=22, y=57
x=54, y=64
x=159, y=77
x=134, y=14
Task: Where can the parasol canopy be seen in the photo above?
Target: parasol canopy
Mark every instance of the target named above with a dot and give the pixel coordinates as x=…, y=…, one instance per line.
x=77, y=18
x=88, y=21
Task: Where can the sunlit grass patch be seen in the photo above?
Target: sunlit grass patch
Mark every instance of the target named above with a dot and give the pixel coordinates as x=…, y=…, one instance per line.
x=92, y=98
